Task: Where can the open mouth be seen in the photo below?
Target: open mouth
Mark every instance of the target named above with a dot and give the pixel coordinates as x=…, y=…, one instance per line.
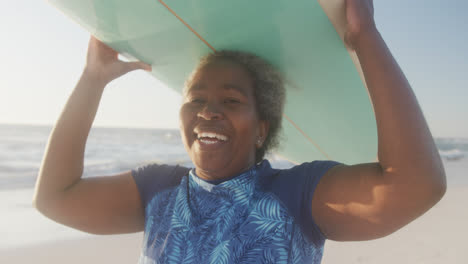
x=211, y=138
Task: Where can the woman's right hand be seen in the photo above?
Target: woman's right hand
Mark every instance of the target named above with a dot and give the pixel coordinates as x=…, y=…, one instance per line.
x=103, y=64
x=101, y=205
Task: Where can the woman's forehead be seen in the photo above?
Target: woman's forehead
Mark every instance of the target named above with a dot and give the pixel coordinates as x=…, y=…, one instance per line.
x=227, y=86
x=226, y=76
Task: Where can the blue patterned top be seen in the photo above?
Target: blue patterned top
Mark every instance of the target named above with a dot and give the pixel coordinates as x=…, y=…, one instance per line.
x=260, y=216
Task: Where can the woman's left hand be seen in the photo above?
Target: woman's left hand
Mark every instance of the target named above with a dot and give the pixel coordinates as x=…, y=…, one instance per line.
x=371, y=200
x=360, y=20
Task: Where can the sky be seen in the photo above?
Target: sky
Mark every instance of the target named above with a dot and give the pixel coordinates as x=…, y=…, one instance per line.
x=43, y=54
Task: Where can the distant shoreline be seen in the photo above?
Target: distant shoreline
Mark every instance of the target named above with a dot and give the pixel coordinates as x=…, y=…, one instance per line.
x=462, y=138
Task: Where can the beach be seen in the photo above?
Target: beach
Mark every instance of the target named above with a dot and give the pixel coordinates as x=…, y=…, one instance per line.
x=439, y=236
x=94, y=249
x=28, y=237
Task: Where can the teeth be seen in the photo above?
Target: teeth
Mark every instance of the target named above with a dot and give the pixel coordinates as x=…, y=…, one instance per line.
x=207, y=142
x=212, y=135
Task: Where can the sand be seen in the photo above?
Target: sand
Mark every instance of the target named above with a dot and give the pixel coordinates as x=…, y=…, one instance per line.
x=439, y=236
x=97, y=249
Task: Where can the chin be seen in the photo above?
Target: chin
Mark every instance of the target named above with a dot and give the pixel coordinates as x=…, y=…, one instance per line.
x=219, y=167
x=211, y=165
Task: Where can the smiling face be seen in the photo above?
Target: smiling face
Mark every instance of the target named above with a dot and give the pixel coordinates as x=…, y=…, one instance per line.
x=219, y=122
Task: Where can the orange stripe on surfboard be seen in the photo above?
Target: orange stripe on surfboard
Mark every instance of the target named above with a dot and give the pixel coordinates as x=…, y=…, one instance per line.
x=214, y=50
x=306, y=136
x=187, y=25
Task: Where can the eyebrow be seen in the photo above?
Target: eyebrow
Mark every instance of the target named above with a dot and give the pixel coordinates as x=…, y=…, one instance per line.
x=229, y=86
x=226, y=86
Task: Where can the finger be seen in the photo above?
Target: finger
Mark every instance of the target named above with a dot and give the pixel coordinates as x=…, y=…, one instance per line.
x=132, y=66
x=92, y=42
x=348, y=41
x=138, y=65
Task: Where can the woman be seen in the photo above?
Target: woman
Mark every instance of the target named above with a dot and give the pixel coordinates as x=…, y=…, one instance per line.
x=233, y=207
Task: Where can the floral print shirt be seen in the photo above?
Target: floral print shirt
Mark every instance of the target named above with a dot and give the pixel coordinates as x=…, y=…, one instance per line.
x=260, y=216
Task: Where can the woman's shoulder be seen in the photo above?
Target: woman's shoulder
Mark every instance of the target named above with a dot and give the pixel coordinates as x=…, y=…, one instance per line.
x=304, y=176
x=152, y=178
x=294, y=186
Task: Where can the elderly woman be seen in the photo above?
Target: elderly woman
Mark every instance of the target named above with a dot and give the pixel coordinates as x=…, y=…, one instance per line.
x=233, y=207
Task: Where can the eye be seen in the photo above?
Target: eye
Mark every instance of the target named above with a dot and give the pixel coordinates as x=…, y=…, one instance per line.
x=232, y=101
x=197, y=100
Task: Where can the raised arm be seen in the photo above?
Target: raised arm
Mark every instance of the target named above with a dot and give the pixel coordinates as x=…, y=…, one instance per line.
x=97, y=205
x=368, y=201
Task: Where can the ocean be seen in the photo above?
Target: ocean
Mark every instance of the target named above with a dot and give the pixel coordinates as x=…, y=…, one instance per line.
x=108, y=151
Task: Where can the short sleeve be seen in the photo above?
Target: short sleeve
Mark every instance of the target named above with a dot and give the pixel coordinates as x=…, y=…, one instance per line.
x=315, y=172
x=153, y=178
x=296, y=187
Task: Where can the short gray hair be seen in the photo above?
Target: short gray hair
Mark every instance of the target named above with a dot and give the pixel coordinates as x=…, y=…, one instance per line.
x=269, y=91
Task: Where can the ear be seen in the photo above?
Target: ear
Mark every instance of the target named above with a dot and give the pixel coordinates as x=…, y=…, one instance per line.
x=263, y=128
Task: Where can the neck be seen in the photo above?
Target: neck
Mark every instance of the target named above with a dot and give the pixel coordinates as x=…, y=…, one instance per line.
x=220, y=175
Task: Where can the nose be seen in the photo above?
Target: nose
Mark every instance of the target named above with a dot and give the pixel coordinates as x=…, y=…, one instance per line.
x=210, y=112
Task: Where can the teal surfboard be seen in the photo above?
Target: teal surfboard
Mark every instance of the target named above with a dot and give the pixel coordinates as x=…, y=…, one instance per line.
x=328, y=113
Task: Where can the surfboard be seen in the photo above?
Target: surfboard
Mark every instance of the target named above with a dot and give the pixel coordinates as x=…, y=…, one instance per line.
x=328, y=113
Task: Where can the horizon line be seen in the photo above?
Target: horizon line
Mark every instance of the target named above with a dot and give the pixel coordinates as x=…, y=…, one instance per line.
x=144, y=127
